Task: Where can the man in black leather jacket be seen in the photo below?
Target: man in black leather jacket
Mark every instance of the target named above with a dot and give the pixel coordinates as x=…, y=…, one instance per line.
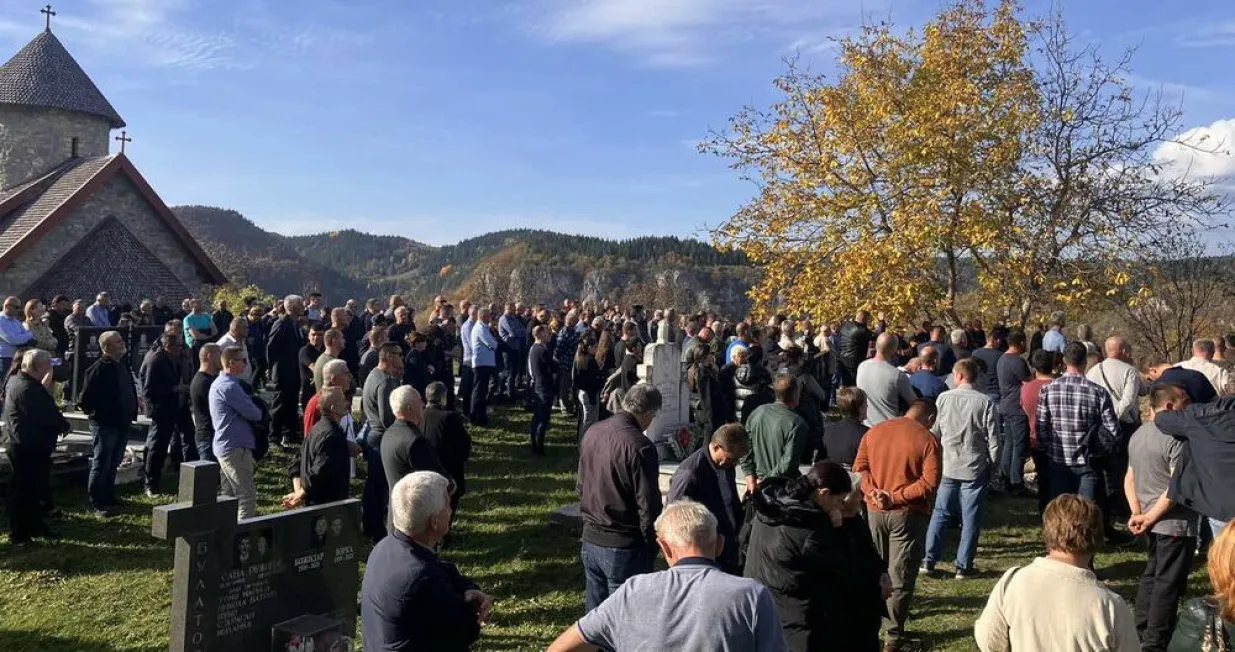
x=855, y=340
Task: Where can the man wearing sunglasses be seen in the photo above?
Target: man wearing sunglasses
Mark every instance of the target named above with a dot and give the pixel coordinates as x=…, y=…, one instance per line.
x=231, y=412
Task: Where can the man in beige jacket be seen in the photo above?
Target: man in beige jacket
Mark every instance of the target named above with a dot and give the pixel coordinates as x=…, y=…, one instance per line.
x=1079, y=612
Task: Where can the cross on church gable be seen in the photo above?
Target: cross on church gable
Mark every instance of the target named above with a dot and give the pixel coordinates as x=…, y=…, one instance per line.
x=123, y=139
x=47, y=11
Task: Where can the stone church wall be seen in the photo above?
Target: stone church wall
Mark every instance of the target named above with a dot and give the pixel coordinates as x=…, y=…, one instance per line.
x=33, y=140
x=116, y=198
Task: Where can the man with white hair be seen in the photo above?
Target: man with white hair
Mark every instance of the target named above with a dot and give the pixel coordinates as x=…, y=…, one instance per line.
x=283, y=354
x=404, y=448
x=409, y=598
x=692, y=606
x=619, y=489
x=1202, y=361
x=33, y=424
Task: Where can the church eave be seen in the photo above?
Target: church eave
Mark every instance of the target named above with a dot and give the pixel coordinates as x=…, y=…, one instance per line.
x=119, y=163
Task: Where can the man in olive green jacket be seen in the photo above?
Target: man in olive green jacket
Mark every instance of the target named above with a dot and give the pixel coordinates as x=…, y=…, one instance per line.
x=777, y=435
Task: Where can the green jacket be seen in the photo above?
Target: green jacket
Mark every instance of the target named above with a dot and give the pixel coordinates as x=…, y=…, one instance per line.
x=777, y=439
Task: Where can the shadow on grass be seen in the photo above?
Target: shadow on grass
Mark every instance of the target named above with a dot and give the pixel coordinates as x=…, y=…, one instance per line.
x=33, y=641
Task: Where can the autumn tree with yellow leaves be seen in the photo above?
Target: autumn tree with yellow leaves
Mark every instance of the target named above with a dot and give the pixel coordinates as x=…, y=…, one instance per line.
x=982, y=151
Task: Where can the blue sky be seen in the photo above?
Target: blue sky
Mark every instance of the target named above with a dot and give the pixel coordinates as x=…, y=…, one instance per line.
x=444, y=119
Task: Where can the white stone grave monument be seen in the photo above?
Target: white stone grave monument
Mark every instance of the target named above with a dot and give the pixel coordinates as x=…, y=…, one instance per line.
x=662, y=368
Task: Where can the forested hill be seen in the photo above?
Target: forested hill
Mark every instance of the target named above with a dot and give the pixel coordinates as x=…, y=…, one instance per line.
x=518, y=265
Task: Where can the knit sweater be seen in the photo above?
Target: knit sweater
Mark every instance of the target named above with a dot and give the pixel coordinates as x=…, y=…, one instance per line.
x=900, y=456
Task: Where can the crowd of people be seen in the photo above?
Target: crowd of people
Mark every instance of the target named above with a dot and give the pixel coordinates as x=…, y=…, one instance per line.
x=783, y=530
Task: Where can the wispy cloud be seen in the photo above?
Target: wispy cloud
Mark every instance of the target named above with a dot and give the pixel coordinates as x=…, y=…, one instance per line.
x=1218, y=34
x=154, y=32
x=182, y=34
x=676, y=32
x=1173, y=89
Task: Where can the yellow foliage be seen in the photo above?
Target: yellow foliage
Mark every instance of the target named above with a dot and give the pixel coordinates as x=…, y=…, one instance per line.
x=877, y=186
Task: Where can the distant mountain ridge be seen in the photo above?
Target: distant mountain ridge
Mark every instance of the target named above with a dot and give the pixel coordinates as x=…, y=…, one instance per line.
x=524, y=265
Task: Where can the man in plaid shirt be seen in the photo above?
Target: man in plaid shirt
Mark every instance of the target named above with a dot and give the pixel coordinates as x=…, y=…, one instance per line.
x=1076, y=422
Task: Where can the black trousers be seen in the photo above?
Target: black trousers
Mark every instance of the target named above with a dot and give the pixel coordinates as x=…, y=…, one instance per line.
x=516, y=369
x=566, y=391
x=170, y=429
x=542, y=412
x=285, y=414
x=465, y=388
x=29, y=485
x=1162, y=585
x=481, y=377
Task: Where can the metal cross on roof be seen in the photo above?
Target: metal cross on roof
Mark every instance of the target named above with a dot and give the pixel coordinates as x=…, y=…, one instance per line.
x=49, y=13
x=123, y=138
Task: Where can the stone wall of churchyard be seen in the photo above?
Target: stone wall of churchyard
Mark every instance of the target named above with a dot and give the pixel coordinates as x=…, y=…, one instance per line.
x=116, y=198
x=33, y=140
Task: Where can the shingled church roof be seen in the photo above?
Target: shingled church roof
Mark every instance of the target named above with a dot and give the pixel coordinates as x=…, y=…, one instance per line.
x=44, y=74
x=29, y=211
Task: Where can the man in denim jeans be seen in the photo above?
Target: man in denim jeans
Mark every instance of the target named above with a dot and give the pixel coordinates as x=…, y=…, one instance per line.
x=109, y=399
x=968, y=430
x=619, y=495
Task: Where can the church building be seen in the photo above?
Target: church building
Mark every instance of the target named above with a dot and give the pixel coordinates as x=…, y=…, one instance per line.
x=76, y=219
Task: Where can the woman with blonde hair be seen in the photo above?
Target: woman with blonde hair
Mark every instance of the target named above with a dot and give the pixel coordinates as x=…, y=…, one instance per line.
x=43, y=337
x=1207, y=624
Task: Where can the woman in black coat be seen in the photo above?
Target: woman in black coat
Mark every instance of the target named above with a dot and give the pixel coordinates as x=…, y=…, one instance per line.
x=708, y=403
x=814, y=553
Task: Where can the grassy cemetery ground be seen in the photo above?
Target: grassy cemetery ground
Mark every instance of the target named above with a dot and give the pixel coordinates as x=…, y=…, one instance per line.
x=106, y=585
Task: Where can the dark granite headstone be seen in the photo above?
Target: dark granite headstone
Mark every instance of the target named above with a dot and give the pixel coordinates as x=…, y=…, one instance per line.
x=140, y=340
x=85, y=352
x=235, y=583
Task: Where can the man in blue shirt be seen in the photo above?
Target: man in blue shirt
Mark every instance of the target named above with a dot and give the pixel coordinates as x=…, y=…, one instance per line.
x=484, y=363
x=231, y=411
x=99, y=314
x=692, y=606
x=466, y=378
x=1054, y=339
x=13, y=334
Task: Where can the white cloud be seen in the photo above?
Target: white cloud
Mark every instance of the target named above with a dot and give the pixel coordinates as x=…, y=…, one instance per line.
x=1202, y=153
x=1220, y=34
x=676, y=32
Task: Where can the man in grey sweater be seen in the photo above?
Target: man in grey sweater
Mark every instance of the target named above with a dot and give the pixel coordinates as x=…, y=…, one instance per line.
x=968, y=431
x=375, y=402
x=888, y=392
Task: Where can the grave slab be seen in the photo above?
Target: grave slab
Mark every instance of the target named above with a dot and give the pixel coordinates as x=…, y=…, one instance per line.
x=241, y=585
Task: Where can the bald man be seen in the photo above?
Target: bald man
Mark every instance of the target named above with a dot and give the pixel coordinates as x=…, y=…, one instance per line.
x=888, y=391
x=1122, y=381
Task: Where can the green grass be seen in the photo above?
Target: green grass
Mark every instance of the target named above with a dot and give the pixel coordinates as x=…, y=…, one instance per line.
x=107, y=585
